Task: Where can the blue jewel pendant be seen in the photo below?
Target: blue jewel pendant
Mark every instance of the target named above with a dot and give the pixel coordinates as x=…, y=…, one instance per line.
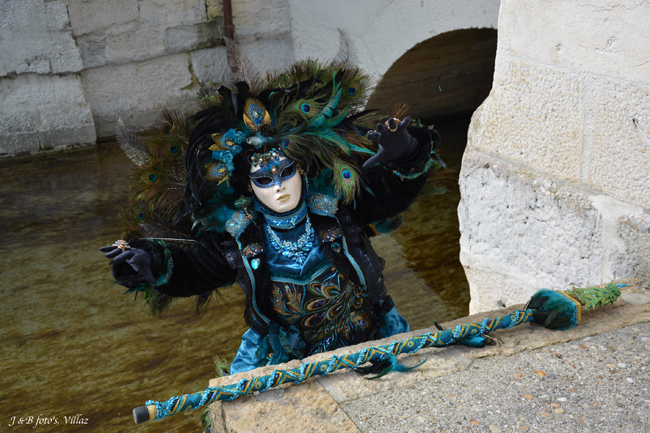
x=255, y=263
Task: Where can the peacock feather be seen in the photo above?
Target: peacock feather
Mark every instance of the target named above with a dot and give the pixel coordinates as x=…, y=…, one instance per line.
x=346, y=180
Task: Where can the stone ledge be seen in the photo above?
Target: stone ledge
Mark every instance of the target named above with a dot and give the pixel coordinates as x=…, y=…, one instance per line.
x=315, y=405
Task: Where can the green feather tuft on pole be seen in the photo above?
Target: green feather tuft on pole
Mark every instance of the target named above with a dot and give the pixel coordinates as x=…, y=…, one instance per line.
x=594, y=297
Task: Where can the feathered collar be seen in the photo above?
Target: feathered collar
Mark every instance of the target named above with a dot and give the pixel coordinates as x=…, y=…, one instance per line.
x=316, y=203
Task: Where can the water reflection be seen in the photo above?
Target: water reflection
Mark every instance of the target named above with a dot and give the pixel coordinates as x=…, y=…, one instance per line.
x=72, y=344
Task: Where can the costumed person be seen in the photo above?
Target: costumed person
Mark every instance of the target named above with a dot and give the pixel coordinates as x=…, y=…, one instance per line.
x=285, y=180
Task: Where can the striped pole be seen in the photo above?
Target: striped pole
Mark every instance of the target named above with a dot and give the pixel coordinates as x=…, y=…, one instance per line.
x=154, y=410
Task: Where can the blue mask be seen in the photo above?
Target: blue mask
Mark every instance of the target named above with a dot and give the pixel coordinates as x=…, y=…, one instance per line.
x=274, y=173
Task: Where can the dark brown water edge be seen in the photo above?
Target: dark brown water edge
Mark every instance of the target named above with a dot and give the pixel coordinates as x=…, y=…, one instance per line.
x=73, y=344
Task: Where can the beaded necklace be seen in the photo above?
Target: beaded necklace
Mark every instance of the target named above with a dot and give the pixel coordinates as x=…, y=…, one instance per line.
x=297, y=251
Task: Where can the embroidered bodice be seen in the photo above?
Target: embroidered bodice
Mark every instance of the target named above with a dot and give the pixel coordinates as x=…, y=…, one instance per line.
x=307, y=292
x=326, y=308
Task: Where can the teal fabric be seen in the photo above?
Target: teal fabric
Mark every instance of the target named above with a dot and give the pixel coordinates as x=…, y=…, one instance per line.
x=253, y=353
x=393, y=324
x=255, y=350
x=286, y=344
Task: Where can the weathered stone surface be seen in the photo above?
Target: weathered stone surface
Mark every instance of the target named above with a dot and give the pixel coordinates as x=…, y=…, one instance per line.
x=62, y=36
x=567, y=120
x=138, y=91
x=211, y=65
x=632, y=256
x=69, y=125
x=595, y=383
x=534, y=115
x=521, y=232
x=351, y=386
x=19, y=133
x=41, y=112
x=257, y=17
x=170, y=13
x=38, y=38
x=304, y=408
x=128, y=46
x=271, y=53
x=602, y=37
x=312, y=406
x=518, y=231
x=143, y=56
x=619, y=157
x=213, y=8
x=87, y=16
x=28, y=90
x=194, y=36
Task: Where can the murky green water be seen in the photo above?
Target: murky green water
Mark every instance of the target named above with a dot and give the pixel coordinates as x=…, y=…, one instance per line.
x=73, y=344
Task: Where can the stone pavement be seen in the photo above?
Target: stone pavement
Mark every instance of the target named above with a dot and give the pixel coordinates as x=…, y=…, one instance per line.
x=593, y=378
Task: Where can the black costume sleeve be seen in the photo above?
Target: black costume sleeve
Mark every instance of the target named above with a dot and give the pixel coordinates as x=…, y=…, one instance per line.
x=393, y=185
x=181, y=271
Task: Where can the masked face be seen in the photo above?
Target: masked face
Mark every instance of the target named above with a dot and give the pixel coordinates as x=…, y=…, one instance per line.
x=277, y=185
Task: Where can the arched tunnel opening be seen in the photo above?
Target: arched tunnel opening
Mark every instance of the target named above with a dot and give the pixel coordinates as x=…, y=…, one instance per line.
x=442, y=81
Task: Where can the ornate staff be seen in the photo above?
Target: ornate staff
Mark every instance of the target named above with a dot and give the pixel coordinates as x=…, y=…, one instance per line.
x=554, y=310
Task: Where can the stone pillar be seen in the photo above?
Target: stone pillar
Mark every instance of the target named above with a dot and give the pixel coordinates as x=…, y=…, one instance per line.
x=555, y=181
x=42, y=102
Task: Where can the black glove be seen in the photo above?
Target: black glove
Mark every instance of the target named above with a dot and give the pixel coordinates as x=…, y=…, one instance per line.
x=139, y=260
x=395, y=142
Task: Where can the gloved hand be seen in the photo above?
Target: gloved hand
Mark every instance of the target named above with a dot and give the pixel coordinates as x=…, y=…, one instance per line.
x=394, y=142
x=139, y=260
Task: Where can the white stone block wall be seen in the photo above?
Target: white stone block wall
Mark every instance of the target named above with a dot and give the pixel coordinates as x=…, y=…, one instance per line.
x=42, y=102
x=555, y=181
x=143, y=55
x=70, y=68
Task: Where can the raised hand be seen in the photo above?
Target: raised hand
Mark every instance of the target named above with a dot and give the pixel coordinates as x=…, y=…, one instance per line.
x=394, y=142
x=139, y=260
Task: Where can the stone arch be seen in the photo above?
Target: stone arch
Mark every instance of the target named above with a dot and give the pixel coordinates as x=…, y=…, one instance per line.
x=381, y=30
x=442, y=80
x=447, y=74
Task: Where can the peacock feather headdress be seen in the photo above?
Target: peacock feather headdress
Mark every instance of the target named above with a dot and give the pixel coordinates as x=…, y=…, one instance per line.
x=311, y=113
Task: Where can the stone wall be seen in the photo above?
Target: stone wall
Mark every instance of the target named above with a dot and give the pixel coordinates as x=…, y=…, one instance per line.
x=42, y=101
x=556, y=177
x=70, y=68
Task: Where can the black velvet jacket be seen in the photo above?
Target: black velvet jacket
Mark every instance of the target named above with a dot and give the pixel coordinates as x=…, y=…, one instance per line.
x=219, y=258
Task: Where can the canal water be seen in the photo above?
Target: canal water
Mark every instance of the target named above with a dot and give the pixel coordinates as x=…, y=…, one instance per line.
x=74, y=344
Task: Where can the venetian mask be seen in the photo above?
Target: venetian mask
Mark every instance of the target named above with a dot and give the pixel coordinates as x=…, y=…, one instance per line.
x=277, y=184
